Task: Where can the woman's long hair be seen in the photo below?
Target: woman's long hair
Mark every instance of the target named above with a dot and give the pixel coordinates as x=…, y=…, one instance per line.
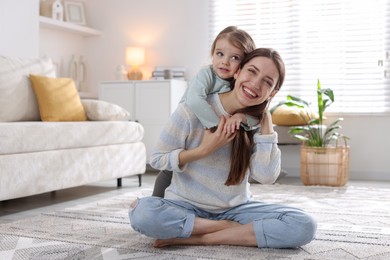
x=242, y=145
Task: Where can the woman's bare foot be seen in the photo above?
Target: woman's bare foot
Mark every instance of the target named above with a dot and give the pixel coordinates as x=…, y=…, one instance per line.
x=133, y=203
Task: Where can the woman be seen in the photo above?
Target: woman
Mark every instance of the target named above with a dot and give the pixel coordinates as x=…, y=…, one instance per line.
x=208, y=201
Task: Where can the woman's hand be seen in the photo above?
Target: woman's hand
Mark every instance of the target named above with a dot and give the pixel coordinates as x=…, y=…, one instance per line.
x=266, y=124
x=212, y=141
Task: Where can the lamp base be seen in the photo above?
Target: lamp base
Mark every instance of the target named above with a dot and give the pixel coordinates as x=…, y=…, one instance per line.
x=134, y=74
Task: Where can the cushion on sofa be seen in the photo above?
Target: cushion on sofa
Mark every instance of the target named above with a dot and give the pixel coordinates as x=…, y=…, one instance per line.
x=99, y=110
x=58, y=99
x=17, y=99
x=291, y=116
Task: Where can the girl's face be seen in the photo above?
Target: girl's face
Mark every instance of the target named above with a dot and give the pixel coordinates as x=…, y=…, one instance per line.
x=226, y=59
x=256, y=81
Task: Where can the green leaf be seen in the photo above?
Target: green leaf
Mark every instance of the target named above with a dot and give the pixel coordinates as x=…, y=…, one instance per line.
x=298, y=101
x=301, y=138
x=328, y=92
x=320, y=101
x=297, y=130
x=313, y=134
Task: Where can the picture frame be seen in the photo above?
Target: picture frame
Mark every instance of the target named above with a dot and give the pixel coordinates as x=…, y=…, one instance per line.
x=74, y=12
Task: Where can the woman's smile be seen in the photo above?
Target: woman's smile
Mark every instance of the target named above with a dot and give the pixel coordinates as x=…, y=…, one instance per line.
x=249, y=92
x=255, y=81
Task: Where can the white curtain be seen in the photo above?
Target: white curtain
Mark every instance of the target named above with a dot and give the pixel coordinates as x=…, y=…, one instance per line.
x=343, y=43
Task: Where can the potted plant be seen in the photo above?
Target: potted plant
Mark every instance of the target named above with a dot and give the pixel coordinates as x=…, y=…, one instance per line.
x=324, y=160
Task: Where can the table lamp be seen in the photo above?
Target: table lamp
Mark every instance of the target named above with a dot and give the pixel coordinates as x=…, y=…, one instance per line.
x=135, y=56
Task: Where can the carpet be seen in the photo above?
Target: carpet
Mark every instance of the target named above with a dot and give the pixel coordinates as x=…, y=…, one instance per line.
x=353, y=223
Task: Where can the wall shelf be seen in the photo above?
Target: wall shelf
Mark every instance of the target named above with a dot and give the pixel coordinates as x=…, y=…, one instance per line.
x=46, y=22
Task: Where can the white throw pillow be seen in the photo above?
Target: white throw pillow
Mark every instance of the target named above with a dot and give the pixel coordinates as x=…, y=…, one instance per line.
x=99, y=110
x=17, y=98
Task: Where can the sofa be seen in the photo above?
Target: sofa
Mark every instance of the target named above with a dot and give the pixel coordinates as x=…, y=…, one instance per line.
x=51, y=139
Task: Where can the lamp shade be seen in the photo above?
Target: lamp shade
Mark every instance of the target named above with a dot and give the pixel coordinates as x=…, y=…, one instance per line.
x=135, y=56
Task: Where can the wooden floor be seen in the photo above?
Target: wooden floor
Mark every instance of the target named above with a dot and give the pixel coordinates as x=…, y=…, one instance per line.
x=15, y=209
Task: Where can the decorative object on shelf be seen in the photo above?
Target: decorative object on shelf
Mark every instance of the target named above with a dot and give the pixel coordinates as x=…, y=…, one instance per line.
x=324, y=161
x=135, y=56
x=81, y=74
x=45, y=8
x=167, y=72
x=77, y=72
x=57, y=10
x=121, y=73
x=72, y=70
x=74, y=12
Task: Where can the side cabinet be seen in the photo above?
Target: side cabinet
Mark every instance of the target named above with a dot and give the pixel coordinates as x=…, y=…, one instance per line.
x=150, y=102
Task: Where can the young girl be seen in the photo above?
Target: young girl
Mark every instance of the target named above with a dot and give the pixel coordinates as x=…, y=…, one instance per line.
x=228, y=49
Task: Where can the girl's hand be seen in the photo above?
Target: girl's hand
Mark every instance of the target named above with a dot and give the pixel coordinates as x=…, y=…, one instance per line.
x=211, y=141
x=233, y=123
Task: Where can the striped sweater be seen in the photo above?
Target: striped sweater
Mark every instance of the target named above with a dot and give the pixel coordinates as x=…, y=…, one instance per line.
x=201, y=182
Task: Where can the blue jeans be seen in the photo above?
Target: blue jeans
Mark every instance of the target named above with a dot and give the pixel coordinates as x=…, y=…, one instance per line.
x=275, y=226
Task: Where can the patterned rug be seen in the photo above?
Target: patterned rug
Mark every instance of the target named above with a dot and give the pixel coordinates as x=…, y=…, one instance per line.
x=353, y=223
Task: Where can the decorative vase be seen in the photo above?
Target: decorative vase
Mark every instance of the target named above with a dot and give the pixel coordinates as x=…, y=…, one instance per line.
x=81, y=74
x=73, y=70
x=121, y=73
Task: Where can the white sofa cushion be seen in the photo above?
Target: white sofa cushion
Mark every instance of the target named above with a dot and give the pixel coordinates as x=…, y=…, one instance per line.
x=99, y=110
x=17, y=99
x=27, y=137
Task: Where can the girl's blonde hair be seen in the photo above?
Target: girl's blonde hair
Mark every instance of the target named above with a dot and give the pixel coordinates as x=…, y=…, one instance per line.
x=237, y=37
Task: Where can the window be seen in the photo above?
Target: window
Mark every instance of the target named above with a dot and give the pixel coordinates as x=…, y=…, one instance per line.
x=343, y=43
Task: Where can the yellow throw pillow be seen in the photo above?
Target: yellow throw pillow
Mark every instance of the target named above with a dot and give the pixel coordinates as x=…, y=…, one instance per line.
x=291, y=116
x=58, y=99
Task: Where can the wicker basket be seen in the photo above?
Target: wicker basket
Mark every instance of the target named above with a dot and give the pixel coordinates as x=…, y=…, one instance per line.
x=327, y=166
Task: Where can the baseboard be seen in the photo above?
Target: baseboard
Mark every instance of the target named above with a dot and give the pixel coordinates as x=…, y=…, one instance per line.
x=353, y=175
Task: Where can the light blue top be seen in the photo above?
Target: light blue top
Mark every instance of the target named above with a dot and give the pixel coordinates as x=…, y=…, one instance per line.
x=205, y=83
x=201, y=182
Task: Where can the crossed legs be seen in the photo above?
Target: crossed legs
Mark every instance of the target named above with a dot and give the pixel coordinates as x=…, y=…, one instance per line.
x=214, y=232
x=250, y=224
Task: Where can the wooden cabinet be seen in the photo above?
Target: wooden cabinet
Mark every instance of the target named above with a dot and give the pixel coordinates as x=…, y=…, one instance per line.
x=150, y=102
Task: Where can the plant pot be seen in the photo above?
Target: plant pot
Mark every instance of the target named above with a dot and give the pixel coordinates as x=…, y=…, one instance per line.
x=327, y=166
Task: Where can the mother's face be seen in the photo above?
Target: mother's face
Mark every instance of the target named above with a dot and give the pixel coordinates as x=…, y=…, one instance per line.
x=256, y=81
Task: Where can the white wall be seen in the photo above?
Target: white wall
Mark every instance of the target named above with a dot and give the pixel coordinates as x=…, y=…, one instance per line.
x=52, y=44
x=19, y=28
x=174, y=33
